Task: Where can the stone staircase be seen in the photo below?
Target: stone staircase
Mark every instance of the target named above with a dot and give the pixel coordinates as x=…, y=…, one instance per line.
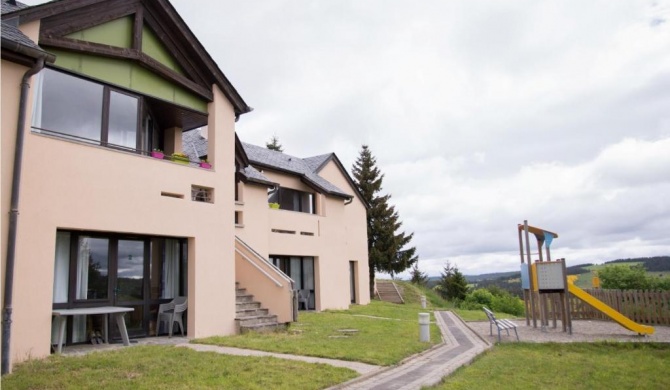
x=249, y=316
x=388, y=291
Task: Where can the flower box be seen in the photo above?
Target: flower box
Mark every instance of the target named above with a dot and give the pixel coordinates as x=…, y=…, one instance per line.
x=158, y=155
x=206, y=165
x=180, y=158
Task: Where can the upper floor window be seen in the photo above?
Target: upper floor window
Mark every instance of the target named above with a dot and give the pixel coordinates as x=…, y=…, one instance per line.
x=79, y=109
x=294, y=200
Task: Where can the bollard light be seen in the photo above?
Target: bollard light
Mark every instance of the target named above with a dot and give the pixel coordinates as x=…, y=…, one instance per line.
x=424, y=327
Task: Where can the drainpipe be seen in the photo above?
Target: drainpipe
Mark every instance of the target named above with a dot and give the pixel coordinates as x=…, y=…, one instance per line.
x=14, y=214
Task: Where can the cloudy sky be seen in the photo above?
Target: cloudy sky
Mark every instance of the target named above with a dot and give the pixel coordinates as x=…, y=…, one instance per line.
x=480, y=113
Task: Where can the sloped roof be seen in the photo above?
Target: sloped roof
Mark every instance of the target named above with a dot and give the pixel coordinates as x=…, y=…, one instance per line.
x=254, y=175
x=279, y=161
x=16, y=41
x=175, y=31
x=194, y=144
x=9, y=7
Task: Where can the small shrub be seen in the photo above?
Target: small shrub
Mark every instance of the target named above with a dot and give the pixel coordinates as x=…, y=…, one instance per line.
x=502, y=301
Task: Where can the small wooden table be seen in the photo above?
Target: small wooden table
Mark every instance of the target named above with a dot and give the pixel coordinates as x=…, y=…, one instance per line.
x=116, y=311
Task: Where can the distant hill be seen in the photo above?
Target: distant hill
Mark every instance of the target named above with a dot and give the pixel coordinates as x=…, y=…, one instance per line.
x=511, y=280
x=491, y=276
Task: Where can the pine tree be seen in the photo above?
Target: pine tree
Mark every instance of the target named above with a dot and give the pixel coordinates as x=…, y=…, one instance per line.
x=417, y=277
x=385, y=247
x=453, y=285
x=274, y=144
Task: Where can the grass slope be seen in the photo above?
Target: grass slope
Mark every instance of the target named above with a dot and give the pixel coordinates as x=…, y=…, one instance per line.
x=387, y=333
x=167, y=367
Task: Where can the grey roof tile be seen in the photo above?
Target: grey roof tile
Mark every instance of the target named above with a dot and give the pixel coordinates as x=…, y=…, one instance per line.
x=7, y=7
x=194, y=144
x=15, y=35
x=284, y=162
x=254, y=175
x=317, y=162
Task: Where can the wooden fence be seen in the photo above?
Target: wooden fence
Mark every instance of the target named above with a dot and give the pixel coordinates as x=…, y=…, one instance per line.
x=643, y=307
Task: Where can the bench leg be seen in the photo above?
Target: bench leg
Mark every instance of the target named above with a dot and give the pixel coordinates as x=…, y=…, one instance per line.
x=106, y=327
x=499, y=335
x=61, y=333
x=517, y=334
x=121, y=323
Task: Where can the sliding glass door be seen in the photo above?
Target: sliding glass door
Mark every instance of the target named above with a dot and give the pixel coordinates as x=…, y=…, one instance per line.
x=301, y=270
x=98, y=269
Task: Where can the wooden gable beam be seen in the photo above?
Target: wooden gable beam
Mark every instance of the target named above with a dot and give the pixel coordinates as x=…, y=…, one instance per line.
x=128, y=54
x=87, y=17
x=186, y=61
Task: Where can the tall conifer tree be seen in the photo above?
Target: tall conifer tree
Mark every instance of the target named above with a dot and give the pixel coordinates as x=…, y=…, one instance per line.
x=274, y=144
x=386, y=251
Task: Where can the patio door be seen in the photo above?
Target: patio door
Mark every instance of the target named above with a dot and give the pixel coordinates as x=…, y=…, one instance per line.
x=93, y=269
x=129, y=281
x=111, y=271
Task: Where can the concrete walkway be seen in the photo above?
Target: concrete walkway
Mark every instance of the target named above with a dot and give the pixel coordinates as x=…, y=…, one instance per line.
x=461, y=346
x=361, y=368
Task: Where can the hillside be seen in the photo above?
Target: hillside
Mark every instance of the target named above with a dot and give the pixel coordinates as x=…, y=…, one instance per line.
x=511, y=281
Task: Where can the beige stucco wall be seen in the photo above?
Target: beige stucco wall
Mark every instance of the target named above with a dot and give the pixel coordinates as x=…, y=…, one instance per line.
x=355, y=216
x=339, y=236
x=66, y=185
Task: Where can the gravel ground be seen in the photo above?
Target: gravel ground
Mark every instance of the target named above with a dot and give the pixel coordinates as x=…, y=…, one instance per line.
x=582, y=331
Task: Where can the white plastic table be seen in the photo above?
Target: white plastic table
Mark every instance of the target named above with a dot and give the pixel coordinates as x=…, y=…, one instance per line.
x=116, y=311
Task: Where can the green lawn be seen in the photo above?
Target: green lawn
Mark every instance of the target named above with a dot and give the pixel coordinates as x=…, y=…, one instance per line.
x=387, y=333
x=570, y=366
x=167, y=367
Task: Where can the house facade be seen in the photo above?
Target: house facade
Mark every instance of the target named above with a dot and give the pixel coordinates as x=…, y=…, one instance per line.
x=92, y=217
x=308, y=218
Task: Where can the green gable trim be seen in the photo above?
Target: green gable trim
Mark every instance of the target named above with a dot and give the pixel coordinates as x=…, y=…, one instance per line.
x=154, y=48
x=128, y=75
x=118, y=33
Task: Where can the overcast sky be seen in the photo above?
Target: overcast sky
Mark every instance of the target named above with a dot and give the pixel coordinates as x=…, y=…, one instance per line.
x=480, y=113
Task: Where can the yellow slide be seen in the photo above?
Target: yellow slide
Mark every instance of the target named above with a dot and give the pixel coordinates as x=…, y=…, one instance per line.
x=611, y=313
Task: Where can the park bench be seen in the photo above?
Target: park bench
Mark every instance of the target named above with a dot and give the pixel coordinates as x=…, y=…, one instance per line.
x=500, y=324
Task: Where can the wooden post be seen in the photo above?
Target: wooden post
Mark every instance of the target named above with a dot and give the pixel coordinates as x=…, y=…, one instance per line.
x=525, y=291
x=567, y=320
x=530, y=274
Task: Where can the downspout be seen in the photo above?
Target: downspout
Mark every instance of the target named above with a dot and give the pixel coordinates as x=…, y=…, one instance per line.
x=14, y=214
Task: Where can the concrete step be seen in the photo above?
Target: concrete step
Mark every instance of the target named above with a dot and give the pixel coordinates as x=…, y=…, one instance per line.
x=251, y=313
x=261, y=328
x=257, y=320
x=247, y=305
x=244, y=298
x=240, y=291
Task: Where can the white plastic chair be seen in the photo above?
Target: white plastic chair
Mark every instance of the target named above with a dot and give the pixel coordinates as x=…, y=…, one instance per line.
x=170, y=313
x=303, y=297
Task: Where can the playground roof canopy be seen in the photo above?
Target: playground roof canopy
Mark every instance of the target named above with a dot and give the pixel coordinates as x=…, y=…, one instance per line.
x=538, y=232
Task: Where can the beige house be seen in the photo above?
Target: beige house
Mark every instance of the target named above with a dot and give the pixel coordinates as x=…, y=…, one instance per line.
x=92, y=216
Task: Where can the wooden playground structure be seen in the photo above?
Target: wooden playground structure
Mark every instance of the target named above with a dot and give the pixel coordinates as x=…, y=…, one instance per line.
x=547, y=287
x=544, y=282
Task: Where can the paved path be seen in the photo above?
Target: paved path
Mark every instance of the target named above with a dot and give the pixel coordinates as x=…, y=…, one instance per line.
x=461, y=347
x=361, y=368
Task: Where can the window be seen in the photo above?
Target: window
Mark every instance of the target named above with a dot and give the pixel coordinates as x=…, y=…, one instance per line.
x=86, y=111
x=202, y=194
x=293, y=200
x=301, y=270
